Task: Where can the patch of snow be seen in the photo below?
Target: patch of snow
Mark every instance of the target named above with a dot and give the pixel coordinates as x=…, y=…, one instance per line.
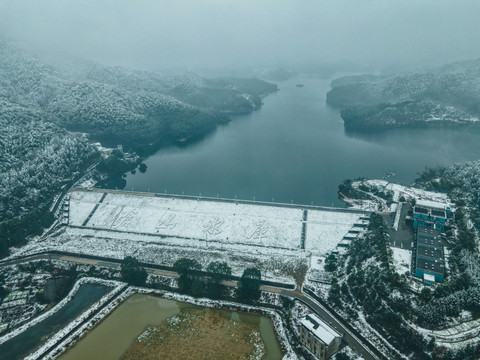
x=228, y=222
x=325, y=229
x=402, y=260
x=83, y=202
x=398, y=212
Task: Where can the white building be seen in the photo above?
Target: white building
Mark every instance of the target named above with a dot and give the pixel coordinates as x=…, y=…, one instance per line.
x=320, y=338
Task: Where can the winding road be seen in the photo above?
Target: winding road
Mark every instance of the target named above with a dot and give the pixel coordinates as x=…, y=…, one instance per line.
x=359, y=344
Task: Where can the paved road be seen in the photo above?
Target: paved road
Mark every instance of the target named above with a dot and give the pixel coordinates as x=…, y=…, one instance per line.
x=403, y=237
x=356, y=344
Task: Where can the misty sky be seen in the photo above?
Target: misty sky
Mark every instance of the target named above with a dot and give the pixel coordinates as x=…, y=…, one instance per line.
x=188, y=33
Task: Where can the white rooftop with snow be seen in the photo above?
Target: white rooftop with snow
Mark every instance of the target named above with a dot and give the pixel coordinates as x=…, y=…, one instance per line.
x=320, y=329
x=431, y=204
x=428, y=277
x=160, y=218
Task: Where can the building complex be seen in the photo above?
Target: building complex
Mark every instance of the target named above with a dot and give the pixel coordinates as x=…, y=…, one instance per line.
x=430, y=219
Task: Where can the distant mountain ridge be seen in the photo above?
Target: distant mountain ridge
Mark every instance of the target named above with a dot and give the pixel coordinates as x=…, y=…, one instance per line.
x=448, y=96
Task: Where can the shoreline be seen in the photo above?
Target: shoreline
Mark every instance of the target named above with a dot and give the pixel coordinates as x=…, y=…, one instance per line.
x=59, y=347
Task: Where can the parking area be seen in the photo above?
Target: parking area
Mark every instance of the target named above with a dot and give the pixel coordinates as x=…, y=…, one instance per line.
x=403, y=237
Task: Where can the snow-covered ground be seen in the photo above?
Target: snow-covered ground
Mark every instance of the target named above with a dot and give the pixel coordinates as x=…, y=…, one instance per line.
x=325, y=229
x=160, y=229
x=226, y=222
x=84, y=202
x=458, y=336
x=409, y=192
x=402, y=259
x=201, y=223
x=376, y=203
x=163, y=229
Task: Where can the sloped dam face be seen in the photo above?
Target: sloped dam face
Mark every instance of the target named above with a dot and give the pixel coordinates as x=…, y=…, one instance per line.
x=151, y=328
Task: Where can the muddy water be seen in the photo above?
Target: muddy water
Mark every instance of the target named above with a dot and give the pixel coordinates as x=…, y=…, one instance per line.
x=111, y=338
x=266, y=330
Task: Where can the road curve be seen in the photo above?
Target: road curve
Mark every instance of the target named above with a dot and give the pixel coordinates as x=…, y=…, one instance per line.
x=359, y=346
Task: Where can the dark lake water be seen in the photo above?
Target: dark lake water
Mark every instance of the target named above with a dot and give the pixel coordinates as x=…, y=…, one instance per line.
x=28, y=341
x=295, y=149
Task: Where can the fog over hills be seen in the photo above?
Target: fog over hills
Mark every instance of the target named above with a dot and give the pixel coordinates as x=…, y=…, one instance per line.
x=189, y=34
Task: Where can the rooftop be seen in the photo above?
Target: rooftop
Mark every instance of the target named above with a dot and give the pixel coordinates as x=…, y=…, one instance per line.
x=432, y=266
x=430, y=252
x=429, y=242
x=428, y=277
x=320, y=329
x=429, y=232
x=417, y=209
x=431, y=204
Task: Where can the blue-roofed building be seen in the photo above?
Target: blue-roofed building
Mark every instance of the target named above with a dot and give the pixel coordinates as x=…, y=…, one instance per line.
x=429, y=255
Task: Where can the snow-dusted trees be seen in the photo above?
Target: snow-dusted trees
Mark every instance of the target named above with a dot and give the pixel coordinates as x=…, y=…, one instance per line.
x=445, y=96
x=189, y=281
x=40, y=106
x=116, y=105
x=461, y=290
x=37, y=158
x=217, y=271
x=366, y=283
x=132, y=272
x=437, y=311
x=249, y=285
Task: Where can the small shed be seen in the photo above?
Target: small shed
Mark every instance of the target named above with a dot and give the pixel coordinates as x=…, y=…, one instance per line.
x=428, y=279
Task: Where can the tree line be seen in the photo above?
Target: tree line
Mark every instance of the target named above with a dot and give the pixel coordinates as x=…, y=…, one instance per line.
x=195, y=282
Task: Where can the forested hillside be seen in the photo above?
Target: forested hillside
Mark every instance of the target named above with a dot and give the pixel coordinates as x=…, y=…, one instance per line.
x=461, y=181
x=49, y=115
x=117, y=105
x=36, y=159
x=449, y=95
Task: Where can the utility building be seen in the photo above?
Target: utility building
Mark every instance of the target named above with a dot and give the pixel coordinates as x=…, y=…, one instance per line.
x=430, y=219
x=429, y=262
x=320, y=338
x=431, y=214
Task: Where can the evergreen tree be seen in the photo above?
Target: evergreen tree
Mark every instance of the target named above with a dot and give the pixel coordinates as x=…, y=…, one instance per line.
x=249, y=285
x=218, y=271
x=187, y=269
x=132, y=272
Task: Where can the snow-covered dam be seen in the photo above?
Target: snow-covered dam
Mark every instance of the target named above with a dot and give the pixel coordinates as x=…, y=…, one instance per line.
x=205, y=222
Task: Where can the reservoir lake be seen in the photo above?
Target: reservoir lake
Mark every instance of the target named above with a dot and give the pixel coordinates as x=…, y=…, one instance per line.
x=295, y=149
